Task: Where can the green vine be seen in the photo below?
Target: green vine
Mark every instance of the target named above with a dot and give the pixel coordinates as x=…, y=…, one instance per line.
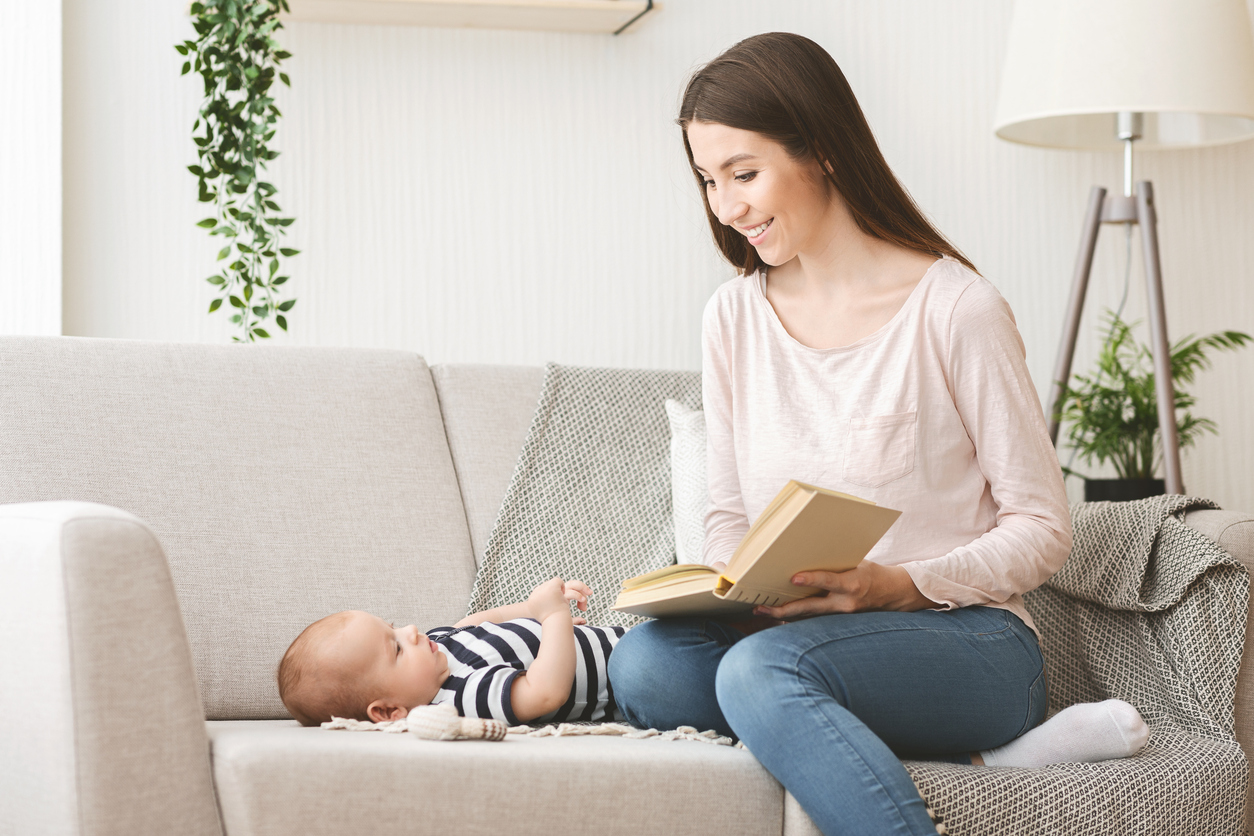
x=236, y=55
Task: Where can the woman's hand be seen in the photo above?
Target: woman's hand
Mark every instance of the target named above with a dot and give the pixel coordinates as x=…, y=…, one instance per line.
x=868, y=586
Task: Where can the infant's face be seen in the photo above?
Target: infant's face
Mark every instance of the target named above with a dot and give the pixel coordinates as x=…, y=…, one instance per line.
x=403, y=667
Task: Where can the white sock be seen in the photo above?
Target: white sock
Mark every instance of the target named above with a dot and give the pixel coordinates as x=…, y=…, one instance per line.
x=1081, y=733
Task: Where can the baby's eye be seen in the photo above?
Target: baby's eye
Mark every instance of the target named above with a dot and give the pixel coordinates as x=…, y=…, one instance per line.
x=398, y=648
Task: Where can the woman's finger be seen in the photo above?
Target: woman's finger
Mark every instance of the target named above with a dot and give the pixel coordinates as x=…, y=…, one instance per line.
x=833, y=581
x=802, y=607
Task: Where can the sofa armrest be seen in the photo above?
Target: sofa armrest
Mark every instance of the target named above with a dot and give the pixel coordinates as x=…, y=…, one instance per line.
x=103, y=730
x=1234, y=532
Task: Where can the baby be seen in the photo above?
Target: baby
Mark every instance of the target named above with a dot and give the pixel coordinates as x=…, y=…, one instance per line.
x=518, y=663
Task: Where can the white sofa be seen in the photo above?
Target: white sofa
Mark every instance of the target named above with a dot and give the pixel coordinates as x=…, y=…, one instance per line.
x=172, y=515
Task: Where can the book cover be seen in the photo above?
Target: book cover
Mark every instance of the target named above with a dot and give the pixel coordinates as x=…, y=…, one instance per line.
x=804, y=527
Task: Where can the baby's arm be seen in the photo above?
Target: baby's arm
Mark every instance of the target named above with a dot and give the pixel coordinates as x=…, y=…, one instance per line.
x=576, y=591
x=545, y=686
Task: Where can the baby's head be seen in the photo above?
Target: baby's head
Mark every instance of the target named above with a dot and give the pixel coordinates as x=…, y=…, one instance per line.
x=356, y=665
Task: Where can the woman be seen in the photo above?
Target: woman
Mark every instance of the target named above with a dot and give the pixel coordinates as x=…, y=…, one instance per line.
x=859, y=350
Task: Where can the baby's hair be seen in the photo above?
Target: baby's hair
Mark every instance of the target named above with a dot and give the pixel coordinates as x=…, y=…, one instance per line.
x=312, y=692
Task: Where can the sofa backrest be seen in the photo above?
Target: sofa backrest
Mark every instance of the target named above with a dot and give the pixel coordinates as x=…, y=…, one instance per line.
x=487, y=413
x=283, y=483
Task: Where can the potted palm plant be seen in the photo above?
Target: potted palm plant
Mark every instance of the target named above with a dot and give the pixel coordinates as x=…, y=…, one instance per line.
x=1113, y=412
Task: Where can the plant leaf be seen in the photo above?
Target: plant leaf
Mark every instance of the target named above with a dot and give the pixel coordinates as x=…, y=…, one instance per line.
x=214, y=305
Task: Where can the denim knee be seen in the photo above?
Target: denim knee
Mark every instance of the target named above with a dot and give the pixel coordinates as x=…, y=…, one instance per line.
x=745, y=673
x=640, y=668
x=629, y=665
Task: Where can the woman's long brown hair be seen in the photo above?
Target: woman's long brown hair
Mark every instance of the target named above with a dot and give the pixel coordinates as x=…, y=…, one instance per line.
x=788, y=89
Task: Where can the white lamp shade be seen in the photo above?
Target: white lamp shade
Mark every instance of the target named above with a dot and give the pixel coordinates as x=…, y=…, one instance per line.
x=1072, y=65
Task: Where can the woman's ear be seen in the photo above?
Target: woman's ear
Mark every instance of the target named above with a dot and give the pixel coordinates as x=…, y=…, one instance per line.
x=380, y=711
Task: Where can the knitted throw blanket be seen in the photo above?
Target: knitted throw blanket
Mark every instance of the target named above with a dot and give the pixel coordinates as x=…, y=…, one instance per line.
x=1149, y=611
x=1146, y=609
x=590, y=497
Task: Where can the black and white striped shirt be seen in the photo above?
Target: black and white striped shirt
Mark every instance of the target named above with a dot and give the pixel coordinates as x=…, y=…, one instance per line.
x=483, y=661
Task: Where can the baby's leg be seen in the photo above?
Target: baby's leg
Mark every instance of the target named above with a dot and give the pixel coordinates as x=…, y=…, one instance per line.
x=1081, y=733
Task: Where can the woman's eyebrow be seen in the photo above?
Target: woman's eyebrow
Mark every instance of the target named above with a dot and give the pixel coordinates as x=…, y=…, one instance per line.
x=735, y=158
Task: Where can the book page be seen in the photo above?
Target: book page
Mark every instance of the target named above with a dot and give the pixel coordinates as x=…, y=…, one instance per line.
x=667, y=574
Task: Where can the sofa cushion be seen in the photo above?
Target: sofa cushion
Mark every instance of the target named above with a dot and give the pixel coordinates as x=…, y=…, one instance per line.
x=487, y=411
x=283, y=484
x=276, y=778
x=690, y=493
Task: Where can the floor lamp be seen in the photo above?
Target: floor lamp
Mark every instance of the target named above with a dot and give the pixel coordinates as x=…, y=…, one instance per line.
x=1105, y=74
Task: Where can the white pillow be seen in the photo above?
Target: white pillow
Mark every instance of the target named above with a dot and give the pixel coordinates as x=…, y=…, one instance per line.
x=689, y=492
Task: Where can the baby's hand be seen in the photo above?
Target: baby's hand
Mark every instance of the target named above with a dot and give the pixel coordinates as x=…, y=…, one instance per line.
x=579, y=592
x=552, y=596
x=548, y=598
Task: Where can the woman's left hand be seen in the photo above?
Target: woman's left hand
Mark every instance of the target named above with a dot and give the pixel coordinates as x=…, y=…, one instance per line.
x=868, y=586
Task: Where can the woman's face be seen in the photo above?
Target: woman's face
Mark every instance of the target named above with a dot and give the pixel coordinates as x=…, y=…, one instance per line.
x=782, y=207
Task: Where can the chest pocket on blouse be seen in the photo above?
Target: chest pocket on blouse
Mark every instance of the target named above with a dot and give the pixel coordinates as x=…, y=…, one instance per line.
x=879, y=449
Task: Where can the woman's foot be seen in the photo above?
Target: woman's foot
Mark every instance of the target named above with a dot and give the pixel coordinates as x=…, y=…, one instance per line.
x=1081, y=733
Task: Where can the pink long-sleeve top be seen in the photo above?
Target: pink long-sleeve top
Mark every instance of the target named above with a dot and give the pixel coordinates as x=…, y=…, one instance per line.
x=934, y=415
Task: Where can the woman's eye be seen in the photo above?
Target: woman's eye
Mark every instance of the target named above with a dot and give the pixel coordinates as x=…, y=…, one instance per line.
x=707, y=183
x=747, y=176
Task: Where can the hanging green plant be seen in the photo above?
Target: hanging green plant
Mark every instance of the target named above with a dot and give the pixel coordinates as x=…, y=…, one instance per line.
x=238, y=58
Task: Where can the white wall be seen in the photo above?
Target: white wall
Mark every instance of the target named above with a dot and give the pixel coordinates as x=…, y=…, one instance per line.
x=517, y=197
x=30, y=167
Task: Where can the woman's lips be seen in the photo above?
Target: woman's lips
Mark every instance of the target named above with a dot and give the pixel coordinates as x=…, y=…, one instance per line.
x=758, y=239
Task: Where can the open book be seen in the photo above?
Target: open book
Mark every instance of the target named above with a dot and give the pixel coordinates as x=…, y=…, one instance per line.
x=803, y=528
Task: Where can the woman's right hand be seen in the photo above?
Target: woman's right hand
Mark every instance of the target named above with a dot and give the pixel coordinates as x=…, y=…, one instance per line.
x=868, y=586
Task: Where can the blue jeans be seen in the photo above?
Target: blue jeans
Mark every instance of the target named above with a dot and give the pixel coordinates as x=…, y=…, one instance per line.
x=830, y=704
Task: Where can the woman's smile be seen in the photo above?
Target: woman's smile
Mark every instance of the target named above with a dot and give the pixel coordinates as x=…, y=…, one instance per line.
x=758, y=233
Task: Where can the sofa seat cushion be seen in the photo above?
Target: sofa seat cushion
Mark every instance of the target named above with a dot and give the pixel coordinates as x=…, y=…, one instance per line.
x=276, y=778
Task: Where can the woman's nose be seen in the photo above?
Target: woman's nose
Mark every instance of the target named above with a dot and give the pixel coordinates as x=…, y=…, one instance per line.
x=728, y=211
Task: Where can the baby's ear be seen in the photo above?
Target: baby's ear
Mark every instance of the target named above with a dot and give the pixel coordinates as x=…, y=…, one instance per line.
x=380, y=711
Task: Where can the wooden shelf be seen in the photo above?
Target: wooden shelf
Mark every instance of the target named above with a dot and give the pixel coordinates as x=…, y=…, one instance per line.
x=596, y=16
